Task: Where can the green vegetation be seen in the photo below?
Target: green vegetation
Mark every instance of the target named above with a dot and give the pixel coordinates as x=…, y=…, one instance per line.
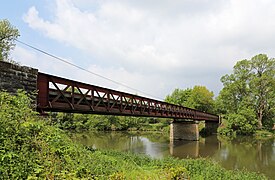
x=264, y=134
x=246, y=102
x=8, y=34
x=199, y=98
x=248, y=96
x=80, y=122
x=32, y=149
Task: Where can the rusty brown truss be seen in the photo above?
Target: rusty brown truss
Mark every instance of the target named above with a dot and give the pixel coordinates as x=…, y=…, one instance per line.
x=62, y=95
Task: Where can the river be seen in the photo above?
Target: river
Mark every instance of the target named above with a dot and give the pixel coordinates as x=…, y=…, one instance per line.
x=239, y=153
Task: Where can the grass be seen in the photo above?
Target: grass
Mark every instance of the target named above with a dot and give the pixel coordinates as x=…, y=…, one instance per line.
x=32, y=149
x=55, y=156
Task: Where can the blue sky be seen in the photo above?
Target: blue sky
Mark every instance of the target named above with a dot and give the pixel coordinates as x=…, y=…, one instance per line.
x=153, y=46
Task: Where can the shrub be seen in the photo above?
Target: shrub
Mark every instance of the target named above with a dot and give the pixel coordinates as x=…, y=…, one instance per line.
x=31, y=149
x=243, y=123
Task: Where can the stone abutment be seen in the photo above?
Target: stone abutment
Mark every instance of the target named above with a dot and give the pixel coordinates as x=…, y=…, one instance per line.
x=14, y=77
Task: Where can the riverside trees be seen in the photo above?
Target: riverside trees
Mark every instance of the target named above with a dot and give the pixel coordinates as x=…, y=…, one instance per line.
x=246, y=101
x=8, y=34
x=199, y=98
x=248, y=95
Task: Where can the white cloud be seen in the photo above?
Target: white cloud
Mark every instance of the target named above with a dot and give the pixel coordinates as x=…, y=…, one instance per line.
x=52, y=66
x=174, y=44
x=40, y=61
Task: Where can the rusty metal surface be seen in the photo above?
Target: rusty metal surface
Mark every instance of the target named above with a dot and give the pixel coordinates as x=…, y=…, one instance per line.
x=62, y=95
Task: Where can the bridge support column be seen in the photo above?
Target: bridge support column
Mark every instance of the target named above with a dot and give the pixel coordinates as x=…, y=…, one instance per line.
x=184, y=130
x=211, y=127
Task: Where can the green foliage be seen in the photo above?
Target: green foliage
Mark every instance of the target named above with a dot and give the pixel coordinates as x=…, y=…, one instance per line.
x=249, y=95
x=31, y=149
x=244, y=123
x=82, y=122
x=206, y=169
x=14, y=116
x=179, y=96
x=199, y=98
x=8, y=34
x=203, y=169
x=178, y=173
x=202, y=99
x=225, y=130
x=264, y=134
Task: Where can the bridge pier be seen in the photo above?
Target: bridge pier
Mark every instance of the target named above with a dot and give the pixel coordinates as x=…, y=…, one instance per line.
x=189, y=130
x=211, y=127
x=184, y=130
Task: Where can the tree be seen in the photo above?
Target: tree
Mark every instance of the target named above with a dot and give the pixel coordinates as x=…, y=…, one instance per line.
x=262, y=85
x=199, y=98
x=202, y=99
x=8, y=34
x=179, y=96
x=250, y=86
x=236, y=90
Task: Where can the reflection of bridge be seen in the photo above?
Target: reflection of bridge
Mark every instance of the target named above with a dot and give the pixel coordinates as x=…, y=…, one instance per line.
x=62, y=95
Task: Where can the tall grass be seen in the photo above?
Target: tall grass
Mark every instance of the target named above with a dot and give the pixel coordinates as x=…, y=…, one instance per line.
x=32, y=149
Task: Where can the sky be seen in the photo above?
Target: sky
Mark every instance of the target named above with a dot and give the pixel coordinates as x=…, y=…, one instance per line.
x=151, y=46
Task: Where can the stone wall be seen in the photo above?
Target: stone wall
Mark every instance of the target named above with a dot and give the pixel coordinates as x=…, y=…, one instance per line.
x=14, y=77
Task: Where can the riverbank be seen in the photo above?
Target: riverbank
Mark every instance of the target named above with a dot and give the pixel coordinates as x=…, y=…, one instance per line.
x=32, y=149
x=242, y=152
x=91, y=122
x=264, y=134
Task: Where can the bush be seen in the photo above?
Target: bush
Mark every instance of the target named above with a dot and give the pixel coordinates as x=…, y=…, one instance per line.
x=242, y=123
x=31, y=149
x=82, y=122
x=264, y=134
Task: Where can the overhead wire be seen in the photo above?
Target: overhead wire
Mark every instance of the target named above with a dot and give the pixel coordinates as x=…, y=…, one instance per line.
x=83, y=69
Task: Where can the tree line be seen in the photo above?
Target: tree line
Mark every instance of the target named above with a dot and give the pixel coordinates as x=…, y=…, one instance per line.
x=246, y=101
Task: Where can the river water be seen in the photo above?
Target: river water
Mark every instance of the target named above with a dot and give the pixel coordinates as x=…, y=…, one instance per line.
x=239, y=153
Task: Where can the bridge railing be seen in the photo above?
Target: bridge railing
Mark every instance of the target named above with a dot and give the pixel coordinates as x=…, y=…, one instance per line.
x=60, y=94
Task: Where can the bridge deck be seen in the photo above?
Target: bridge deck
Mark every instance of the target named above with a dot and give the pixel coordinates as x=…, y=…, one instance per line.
x=59, y=94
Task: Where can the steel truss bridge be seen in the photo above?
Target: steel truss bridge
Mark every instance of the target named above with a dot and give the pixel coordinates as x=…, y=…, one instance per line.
x=58, y=94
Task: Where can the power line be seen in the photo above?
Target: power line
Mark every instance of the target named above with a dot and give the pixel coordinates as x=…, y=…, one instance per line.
x=83, y=69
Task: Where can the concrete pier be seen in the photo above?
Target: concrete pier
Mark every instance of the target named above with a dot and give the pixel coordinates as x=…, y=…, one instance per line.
x=184, y=130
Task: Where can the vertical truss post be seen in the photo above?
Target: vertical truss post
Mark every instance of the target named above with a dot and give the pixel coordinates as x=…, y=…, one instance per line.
x=43, y=91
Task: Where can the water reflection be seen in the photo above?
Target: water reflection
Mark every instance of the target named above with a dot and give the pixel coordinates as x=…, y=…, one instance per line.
x=243, y=152
x=248, y=153
x=205, y=147
x=155, y=145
